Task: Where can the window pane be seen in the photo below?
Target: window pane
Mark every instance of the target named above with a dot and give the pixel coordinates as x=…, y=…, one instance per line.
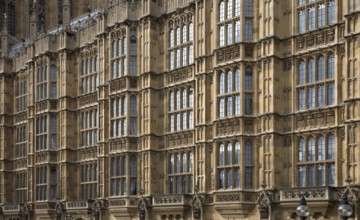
x=301, y=150
x=301, y=20
x=222, y=11
x=331, y=12
x=321, y=175
x=311, y=97
x=229, y=154
x=311, y=18
x=331, y=147
x=311, y=175
x=301, y=176
x=330, y=94
x=221, y=155
x=331, y=174
x=331, y=66
x=321, y=15
x=248, y=153
x=311, y=149
x=248, y=177
x=321, y=148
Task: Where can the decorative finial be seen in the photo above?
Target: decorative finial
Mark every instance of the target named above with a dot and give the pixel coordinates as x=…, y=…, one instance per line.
x=348, y=180
x=263, y=184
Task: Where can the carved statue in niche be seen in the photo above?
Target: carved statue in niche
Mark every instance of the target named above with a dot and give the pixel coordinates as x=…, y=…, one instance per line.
x=58, y=210
x=94, y=213
x=197, y=204
x=142, y=211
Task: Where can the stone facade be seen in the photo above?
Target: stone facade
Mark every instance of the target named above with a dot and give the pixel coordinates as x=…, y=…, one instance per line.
x=178, y=109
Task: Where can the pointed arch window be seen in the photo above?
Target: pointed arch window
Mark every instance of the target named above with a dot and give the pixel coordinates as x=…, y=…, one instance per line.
x=222, y=11
x=11, y=19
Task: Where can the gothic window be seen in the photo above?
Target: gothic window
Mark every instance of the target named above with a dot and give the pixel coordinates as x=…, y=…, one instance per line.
x=311, y=149
x=41, y=133
x=229, y=22
x=237, y=31
x=21, y=187
x=88, y=180
x=119, y=55
x=133, y=115
x=311, y=97
x=181, y=43
x=321, y=148
x=301, y=151
x=321, y=15
x=318, y=91
x=53, y=184
x=228, y=165
x=315, y=14
x=331, y=66
x=180, y=174
x=118, y=108
x=314, y=169
x=89, y=127
x=118, y=175
x=133, y=53
x=302, y=21
x=41, y=183
x=229, y=93
x=248, y=7
x=248, y=30
x=41, y=83
x=321, y=68
x=21, y=94
x=133, y=175
x=60, y=7
x=11, y=19
x=21, y=141
x=248, y=165
x=331, y=12
x=53, y=132
x=180, y=109
x=331, y=147
x=53, y=78
x=89, y=74
x=248, y=79
x=311, y=71
x=311, y=18
x=301, y=99
x=301, y=72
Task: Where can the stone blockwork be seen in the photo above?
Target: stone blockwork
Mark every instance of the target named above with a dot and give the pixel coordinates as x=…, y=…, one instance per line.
x=178, y=109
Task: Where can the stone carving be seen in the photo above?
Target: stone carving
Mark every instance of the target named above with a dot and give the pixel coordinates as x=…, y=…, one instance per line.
x=95, y=211
x=59, y=209
x=264, y=201
x=143, y=206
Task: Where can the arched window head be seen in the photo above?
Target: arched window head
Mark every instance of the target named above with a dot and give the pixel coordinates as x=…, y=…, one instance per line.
x=229, y=82
x=184, y=34
x=229, y=13
x=237, y=80
x=221, y=155
x=321, y=68
x=133, y=45
x=222, y=11
x=191, y=33
x=222, y=83
x=311, y=149
x=171, y=101
x=311, y=70
x=178, y=36
x=301, y=73
x=331, y=66
x=301, y=150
